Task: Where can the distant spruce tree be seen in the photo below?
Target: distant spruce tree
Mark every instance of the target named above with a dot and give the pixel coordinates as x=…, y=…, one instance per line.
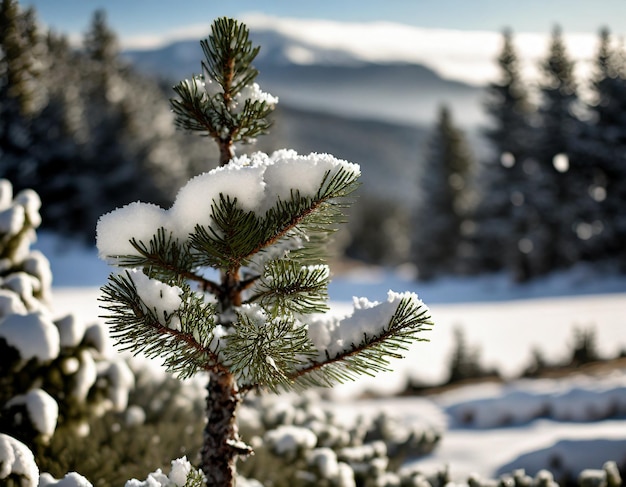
x=502, y=214
x=259, y=224
x=445, y=200
x=558, y=175
x=603, y=146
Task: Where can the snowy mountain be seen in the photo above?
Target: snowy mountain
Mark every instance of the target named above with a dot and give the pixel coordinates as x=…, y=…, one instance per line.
x=334, y=80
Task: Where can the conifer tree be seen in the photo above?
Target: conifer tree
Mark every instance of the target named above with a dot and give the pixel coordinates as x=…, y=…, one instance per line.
x=502, y=213
x=558, y=176
x=445, y=200
x=232, y=278
x=21, y=91
x=603, y=146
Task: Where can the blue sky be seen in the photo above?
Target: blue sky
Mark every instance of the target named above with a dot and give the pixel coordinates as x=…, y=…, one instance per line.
x=137, y=18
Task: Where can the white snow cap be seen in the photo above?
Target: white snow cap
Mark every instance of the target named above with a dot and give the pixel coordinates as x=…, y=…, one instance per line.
x=16, y=458
x=368, y=319
x=136, y=220
x=256, y=181
x=180, y=469
x=71, y=479
x=6, y=194
x=253, y=93
x=290, y=439
x=42, y=409
x=122, y=381
x=10, y=303
x=177, y=477
x=33, y=335
x=71, y=330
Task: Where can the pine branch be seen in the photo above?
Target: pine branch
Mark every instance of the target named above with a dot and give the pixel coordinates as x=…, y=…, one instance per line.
x=371, y=355
x=238, y=235
x=166, y=259
x=288, y=287
x=228, y=56
x=138, y=329
x=233, y=237
x=261, y=354
x=213, y=103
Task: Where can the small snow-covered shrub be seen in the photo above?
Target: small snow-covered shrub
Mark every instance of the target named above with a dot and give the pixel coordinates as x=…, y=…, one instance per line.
x=54, y=372
x=298, y=440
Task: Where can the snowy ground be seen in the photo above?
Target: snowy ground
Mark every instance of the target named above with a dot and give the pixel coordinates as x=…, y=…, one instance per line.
x=556, y=424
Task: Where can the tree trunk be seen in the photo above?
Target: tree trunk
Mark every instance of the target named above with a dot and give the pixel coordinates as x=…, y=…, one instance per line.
x=219, y=450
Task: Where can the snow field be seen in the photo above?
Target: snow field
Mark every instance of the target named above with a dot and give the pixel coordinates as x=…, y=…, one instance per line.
x=520, y=425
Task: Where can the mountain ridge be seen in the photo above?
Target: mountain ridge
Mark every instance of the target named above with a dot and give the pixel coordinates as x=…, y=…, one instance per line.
x=332, y=80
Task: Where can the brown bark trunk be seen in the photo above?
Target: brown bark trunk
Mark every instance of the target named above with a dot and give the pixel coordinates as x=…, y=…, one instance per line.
x=220, y=433
x=227, y=151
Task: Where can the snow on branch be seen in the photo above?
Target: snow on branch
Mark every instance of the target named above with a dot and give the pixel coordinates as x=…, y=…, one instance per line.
x=363, y=342
x=258, y=186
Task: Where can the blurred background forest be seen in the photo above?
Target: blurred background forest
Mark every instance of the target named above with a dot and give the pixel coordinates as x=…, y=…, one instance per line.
x=513, y=176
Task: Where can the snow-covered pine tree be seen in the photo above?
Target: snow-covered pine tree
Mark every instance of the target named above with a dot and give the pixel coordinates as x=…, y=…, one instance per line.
x=232, y=280
x=445, y=199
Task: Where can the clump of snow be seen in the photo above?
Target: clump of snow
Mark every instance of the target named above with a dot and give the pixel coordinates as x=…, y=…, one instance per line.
x=97, y=336
x=16, y=458
x=12, y=220
x=291, y=171
x=85, y=376
x=239, y=179
x=160, y=298
x=253, y=93
x=369, y=319
x=33, y=335
x=31, y=203
x=180, y=470
x=71, y=479
x=289, y=439
x=71, y=330
x=257, y=182
x=115, y=230
x=325, y=461
x=42, y=409
x=6, y=193
x=10, y=303
x=122, y=381
x=134, y=415
x=38, y=265
x=26, y=286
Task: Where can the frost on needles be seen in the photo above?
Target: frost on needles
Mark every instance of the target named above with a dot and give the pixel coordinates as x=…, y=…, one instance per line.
x=232, y=279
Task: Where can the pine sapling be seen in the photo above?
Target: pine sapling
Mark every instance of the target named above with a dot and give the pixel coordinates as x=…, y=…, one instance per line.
x=231, y=281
